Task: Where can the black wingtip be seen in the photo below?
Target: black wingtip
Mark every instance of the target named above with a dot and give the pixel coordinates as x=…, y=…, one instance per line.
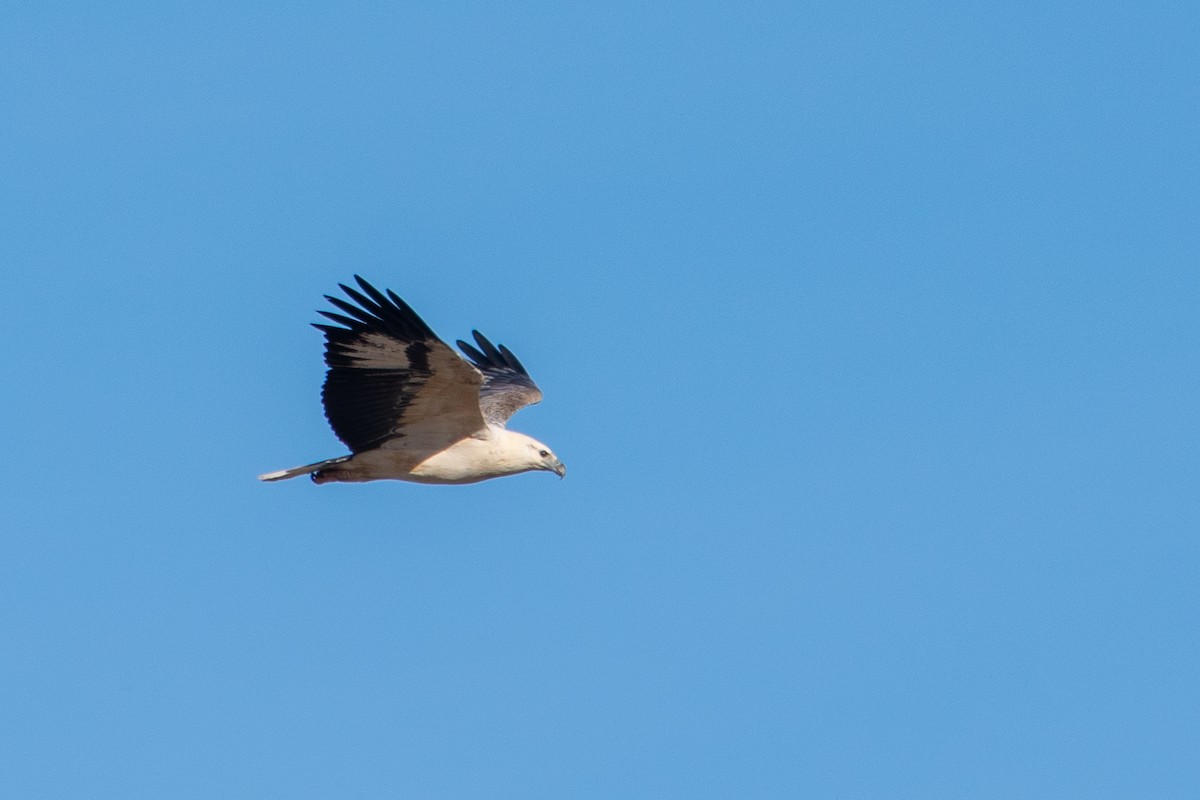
x=375, y=295
x=488, y=355
x=340, y=319
x=477, y=358
x=486, y=346
x=376, y=310
x=513, y=361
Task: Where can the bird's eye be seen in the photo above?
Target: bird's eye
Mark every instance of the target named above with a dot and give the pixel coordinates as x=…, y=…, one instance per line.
x=544, y=453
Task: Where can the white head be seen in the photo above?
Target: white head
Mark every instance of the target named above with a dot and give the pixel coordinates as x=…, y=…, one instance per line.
x=527, y=453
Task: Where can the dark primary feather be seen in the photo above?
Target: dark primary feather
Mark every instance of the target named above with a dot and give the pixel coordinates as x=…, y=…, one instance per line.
x=507, y=387
x=379, y=363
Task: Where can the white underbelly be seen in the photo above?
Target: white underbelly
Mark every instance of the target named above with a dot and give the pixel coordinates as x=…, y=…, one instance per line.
x=464, y=462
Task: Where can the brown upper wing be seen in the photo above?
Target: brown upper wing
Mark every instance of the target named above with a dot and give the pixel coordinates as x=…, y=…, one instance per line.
x=391, y=376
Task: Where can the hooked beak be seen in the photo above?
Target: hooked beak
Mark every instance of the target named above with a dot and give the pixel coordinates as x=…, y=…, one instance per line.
x=559, y=468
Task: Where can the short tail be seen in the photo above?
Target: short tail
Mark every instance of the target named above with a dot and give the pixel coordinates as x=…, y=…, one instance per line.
x=284, y=474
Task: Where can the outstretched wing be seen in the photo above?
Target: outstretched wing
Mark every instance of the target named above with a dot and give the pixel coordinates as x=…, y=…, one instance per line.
x=391, y=376
x=507, y=387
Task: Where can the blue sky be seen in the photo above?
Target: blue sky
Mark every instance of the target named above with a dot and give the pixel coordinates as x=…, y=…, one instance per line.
x=868, y=333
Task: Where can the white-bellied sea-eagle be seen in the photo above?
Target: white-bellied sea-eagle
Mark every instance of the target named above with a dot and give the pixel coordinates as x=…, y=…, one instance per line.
x=410, y=408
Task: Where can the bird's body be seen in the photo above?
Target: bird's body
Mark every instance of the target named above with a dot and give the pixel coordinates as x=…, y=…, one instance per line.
x=491, y=454
x=411, y=409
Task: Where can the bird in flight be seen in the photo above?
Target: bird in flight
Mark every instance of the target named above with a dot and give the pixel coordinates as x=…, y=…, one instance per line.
x=409, y=408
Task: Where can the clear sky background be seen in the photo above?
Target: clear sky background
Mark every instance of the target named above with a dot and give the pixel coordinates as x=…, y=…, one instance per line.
x=868, y=332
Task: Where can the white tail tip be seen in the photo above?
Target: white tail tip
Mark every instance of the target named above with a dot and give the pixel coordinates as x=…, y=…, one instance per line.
x=284, y=474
